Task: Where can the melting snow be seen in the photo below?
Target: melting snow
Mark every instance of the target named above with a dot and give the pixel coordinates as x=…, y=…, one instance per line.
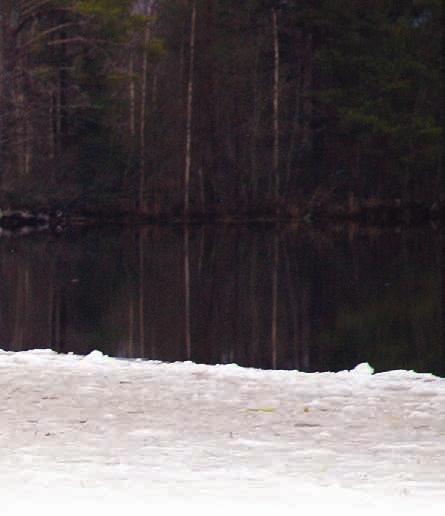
x=98, y=433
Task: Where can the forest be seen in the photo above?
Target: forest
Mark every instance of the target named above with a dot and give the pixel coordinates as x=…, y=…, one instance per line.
x=219, y=108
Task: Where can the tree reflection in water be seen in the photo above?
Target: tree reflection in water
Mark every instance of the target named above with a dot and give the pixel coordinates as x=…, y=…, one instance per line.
x=260, y=296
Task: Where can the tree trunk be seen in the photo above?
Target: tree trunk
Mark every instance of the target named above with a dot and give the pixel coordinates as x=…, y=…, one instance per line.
x=255, y=125
x=441, y=252
x=2, y=90
x=189, y=113
x=8, y=20
x=276, y=106
x=130, y=349
x=141, y=293
x=187, y=336
x=274, y=326
x=142, y=150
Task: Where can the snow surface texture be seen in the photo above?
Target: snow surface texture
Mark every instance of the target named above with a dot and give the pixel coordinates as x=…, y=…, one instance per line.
x=96, y=433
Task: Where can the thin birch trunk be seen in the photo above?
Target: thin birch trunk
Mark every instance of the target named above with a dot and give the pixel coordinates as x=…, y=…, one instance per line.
x=294, y=308
x=2, y=91
x=54, y=304
x=276, y=106
x=131, y=327
x=55, y=319
x=253, y=285
x=142, y=153
x=21, y=308
x=26, y=301
x=141, y=293
x=274, y=326
x=18, y=312
x=189, y=113
x=188, y=344
x=441, y=261
x=154, y=141
x=255, y=124
x=51, y=275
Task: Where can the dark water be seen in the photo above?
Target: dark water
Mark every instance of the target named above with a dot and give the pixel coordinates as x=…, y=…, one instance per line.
x=291, y=298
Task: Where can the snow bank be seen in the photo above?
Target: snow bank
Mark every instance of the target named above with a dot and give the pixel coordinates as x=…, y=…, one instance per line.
x=97, y=432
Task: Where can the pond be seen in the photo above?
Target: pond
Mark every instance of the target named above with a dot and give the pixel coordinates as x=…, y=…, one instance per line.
x=259, y=296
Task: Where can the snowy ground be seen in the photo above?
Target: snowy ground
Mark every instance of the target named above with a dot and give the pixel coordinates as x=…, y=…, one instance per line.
x=94, y=433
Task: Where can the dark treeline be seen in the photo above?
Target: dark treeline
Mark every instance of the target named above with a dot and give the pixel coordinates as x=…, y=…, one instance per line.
x=220, y=106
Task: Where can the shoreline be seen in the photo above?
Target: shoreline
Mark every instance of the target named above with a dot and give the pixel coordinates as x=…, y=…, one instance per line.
x=380, y=215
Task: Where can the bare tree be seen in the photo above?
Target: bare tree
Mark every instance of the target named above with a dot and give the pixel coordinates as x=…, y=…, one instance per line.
x=142, y=122
x=274, y=322
x=141, y=289
x=276, y=105
x=2, y=82
x=187, y=334
x=189, y=111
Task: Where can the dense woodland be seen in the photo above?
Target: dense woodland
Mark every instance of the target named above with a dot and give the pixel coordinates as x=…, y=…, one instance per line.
x=166, y=107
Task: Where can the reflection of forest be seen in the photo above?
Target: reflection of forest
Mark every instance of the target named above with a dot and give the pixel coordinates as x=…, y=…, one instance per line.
x=255, y=296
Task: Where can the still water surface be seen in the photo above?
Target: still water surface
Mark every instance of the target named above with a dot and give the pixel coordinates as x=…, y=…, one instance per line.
x=289, y=298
